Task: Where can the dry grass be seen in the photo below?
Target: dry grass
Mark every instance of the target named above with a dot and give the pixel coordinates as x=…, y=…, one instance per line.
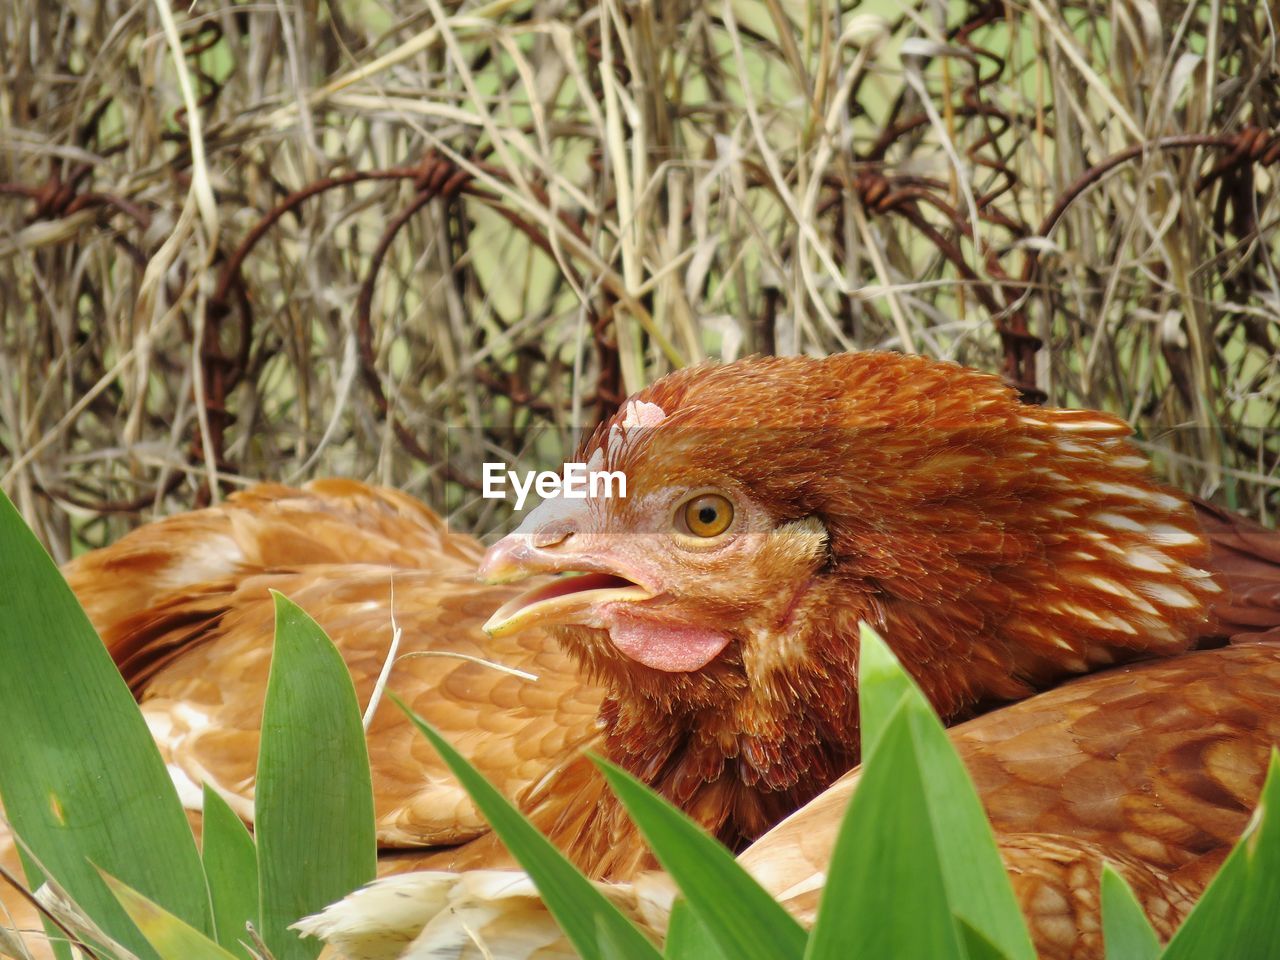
x=612, y=189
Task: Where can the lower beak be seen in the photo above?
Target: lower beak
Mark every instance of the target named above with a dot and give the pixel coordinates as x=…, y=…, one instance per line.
x=571, y=599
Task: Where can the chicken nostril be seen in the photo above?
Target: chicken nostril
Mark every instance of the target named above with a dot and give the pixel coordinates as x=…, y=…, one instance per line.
x=552, y=535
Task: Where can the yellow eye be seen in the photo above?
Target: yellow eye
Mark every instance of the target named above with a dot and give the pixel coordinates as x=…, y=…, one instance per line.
x=708, y=515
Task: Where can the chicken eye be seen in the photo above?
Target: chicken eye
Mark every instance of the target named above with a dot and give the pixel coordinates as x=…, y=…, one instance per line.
x=708, y=515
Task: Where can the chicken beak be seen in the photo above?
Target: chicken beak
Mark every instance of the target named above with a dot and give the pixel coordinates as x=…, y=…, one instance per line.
x=507, y=561
x=541, y=546
x=573, y=599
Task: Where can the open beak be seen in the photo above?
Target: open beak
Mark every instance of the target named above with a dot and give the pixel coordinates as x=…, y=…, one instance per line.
x=603, y=591
x=593, y=579
x=570, y=599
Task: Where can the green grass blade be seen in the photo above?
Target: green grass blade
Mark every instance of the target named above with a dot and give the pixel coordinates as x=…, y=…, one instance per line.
x=884, y=847
x=922, y=771
x=80, y=776
x=1237, y=916
x=171, y=938
x=1126, y=932
x=976, y=946
x=231, y=866
x=977, y=885
x=580, y=909
x=607, y=942
x=313, y=804
x=688, y=937
x=743, y=919
x=882, y=686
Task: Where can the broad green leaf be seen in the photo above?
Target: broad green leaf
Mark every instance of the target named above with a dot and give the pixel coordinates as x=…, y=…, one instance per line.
x=313, y=802
x=231, y=865
x=947, y=836
x=607, y=941
x=885, y=846
x=1238, y=915
x=580, y=909
x=172, y=939
x=882, y=686
x=977, y=886
x=976, y=946
x=1126, y=932
x=688, y=937
x=741, y=917
x=80, y=776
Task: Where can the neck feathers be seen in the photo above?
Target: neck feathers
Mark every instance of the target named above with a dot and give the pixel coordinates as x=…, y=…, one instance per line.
x=1073, y=559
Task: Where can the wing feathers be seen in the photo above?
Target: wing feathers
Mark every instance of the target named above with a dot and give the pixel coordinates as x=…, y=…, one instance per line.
x=1154, y=767
x=184, y=606
x=1246, y=556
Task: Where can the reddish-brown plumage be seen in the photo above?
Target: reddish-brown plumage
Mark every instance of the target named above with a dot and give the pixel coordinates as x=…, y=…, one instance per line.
x=998, y=547
x=1154, y=768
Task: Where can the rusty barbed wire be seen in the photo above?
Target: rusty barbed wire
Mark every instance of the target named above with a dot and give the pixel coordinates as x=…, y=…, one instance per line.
x=880, y=192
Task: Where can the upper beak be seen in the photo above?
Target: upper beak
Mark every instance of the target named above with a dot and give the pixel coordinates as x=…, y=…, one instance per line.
x=510, y=559
x=551, y=541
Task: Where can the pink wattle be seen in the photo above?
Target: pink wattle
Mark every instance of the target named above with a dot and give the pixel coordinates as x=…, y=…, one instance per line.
x=673, y=647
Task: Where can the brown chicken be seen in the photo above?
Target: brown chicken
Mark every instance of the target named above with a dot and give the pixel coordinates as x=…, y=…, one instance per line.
x=710, y=643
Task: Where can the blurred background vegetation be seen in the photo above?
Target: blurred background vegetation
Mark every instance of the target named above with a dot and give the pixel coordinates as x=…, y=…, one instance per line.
x=392, y=239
